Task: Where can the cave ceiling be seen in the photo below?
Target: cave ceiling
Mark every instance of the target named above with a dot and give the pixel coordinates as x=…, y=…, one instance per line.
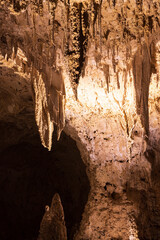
x=53, y=51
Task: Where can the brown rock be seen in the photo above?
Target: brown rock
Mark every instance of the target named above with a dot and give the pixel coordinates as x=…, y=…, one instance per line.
x=53, y=224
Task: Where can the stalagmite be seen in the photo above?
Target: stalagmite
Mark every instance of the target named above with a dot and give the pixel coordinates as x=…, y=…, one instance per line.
x=53, y=225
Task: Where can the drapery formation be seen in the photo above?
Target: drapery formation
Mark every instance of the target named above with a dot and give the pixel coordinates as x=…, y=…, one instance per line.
x=49, y=106
x=143, y=67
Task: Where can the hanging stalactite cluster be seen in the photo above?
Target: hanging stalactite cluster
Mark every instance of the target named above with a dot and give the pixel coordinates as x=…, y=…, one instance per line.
x=108, y=24
x=137, y=22
x=77, y=41
x=39, y=62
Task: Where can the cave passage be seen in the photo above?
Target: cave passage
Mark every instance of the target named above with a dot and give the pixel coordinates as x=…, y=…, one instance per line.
x=29, y=177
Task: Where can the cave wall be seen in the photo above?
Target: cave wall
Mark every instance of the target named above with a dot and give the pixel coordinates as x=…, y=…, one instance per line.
x=93, y=68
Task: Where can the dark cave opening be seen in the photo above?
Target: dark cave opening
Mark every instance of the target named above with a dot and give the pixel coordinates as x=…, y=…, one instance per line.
x=29, y=177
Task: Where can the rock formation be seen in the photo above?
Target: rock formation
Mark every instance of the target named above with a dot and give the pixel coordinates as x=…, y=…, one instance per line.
x=30, y=175
x=92, y=69
x=53, y=225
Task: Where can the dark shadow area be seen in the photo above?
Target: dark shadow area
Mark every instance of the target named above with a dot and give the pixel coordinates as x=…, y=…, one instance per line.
x=146, y=198
x=147, y=219
x=30, y=176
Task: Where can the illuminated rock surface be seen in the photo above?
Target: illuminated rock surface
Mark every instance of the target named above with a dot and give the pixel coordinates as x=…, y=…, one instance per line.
x=92, y=69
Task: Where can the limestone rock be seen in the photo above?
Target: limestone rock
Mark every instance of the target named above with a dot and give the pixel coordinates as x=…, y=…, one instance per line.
x=92, y=68
x=53, y=224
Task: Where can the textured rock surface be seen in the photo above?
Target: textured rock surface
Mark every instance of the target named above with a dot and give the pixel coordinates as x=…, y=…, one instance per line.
x=99, y=63
x=53, y=224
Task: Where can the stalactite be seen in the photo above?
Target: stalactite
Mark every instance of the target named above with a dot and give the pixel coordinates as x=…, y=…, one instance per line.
x=67, y=32
x=142, y=73
x=114, y=3
x=74, y=54
x=99, y=25
x=77, y=41
x=92, y=18
x=95, y=18
x=49, y=103
x=127, y=53
x=108, y=49
x=125, y=86
x=139, y=20
x=158, y=63
x=118, y=83
x=43, y=120
x=106, y=34
x=52, y=8
x=113, y=57
x=84, y=35
x=152, y=49
x=157, y=15
x=106, y=74
x=41, y=7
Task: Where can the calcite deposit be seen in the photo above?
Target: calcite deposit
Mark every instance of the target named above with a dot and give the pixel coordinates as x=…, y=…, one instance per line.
x=89, y=68
x=53, y=225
